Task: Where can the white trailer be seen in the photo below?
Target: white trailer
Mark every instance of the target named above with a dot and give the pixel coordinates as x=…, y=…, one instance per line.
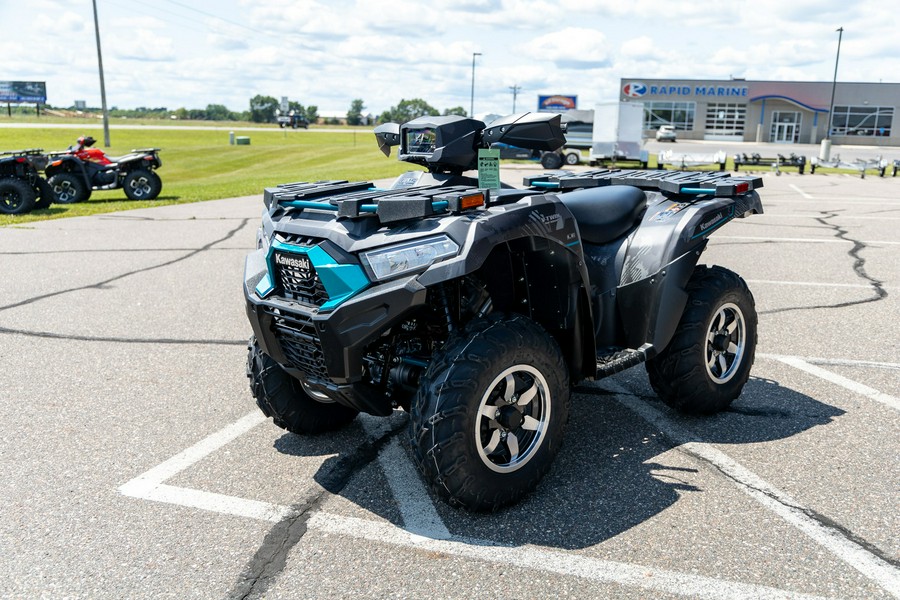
x=618, y=133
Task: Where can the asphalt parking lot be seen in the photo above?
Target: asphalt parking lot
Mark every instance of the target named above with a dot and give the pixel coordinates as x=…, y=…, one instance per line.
x=135, y=463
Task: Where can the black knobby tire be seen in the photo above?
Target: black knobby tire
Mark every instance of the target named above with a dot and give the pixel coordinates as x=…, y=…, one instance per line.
x=142, y=184
x=16, y=196
x=45, y=193
x=551, y=160
x=68, y=188
x=284, y=399
x=490, y=412
x=705, y=366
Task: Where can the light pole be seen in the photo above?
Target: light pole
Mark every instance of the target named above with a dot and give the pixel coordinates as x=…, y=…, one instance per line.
x=515, y=90
x=840, y=31
x=825, y=150
x=102, y=85
x=472, y=103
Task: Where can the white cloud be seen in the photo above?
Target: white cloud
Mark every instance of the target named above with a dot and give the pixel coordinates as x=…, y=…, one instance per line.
x=327, y=52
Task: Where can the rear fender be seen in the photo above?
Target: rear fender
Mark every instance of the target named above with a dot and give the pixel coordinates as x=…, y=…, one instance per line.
x=660, y=257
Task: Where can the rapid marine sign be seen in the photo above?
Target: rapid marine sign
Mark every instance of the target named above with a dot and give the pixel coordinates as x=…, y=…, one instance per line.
x=637, y=89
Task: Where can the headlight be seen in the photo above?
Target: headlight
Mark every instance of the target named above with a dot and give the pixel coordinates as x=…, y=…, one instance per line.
x=409, y=257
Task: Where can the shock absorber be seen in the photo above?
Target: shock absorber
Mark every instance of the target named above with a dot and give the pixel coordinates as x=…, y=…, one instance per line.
x=441, y=295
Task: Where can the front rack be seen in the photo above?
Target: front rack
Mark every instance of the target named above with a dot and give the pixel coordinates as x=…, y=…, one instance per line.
x=360, y=199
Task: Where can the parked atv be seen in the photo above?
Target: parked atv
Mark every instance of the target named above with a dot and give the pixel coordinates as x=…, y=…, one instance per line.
x=477, y=310
x=22, y=189
x=75, y=172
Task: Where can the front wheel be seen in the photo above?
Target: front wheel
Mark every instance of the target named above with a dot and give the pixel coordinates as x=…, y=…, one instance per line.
x=16, y=196
x=142, y=184
x=572, y=158
x=705, y=366
x=284, y=399
x=489, y=416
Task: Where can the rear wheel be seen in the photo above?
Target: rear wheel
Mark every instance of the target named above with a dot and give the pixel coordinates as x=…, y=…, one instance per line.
x=572, y=158
x=142, y=184
x=705, y=366
x=46, y=195
x=68, y=188
x=16, y=196
x=551, y=160
x=284, y=398
x=489, y=416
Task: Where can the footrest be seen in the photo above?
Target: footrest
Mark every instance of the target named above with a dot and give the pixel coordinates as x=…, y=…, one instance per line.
x=610, y=364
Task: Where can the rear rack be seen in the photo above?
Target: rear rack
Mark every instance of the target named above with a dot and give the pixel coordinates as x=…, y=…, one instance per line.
x=362, y=199
x=28, y=152
x=714, y=183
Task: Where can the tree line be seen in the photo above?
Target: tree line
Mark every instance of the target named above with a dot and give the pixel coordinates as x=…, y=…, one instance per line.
x=266, y=109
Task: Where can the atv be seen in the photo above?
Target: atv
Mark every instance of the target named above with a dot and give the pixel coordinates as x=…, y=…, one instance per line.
x=74, y=173
x=22, y=189
x=478, y=309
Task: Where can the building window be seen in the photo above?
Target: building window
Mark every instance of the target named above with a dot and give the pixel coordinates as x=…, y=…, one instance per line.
x=862, y=120
x=679, y=114
x=726, y=119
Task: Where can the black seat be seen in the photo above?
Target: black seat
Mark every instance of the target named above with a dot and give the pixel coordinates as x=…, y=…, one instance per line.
x=605, y=213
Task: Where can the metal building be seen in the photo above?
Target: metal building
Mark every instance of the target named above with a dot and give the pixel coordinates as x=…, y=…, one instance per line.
x=768, y=111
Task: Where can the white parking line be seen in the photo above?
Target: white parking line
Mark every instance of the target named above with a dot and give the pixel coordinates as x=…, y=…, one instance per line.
x=424, y=528
x=151, y=484
x=805, y=240
x=549, y=561
x=416, y=508
x=853, y=386
x=801, y=192
x=812, y=284
x=790, y=510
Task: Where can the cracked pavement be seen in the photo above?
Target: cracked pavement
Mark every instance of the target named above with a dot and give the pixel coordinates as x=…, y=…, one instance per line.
x=124, y=337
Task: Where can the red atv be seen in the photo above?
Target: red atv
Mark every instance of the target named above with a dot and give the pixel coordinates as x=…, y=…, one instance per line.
x=75, y=172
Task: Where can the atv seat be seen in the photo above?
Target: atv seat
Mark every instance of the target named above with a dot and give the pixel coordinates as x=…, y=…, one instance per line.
x=605, y=213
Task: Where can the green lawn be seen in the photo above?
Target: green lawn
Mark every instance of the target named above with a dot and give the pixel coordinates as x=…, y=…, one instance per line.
x=201, y=165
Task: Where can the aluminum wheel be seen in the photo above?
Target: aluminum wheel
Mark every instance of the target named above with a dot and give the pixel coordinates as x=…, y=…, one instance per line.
x=726, y=340
x=512, y=418
x=140, y=186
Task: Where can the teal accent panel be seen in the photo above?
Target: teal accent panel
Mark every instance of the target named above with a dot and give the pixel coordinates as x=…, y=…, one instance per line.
x=265, y=286
x=340, y=281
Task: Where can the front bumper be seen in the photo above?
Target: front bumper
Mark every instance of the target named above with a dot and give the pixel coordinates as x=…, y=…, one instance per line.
x=325, y=348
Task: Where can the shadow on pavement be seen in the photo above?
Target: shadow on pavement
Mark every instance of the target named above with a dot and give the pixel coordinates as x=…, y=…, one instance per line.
x=608, y=478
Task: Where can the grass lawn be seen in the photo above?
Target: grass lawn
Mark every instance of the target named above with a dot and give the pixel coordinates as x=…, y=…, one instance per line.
x=201, y=165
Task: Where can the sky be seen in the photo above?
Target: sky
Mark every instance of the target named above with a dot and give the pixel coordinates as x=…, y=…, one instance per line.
x=182, y=53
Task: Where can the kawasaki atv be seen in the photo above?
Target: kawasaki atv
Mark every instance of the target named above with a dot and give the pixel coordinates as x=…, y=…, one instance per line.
x=75, y=173
x=477, y=310
x=22, y=189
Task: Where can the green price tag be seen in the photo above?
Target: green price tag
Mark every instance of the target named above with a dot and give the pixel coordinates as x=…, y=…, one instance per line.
x=489, y=169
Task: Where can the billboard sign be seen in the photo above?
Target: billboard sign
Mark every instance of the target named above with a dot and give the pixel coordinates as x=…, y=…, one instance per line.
x=557, y=102
x=23, y=91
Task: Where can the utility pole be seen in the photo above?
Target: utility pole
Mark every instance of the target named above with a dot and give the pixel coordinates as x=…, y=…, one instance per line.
x=515, y=90
x=102, y=84
x=472, y=103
